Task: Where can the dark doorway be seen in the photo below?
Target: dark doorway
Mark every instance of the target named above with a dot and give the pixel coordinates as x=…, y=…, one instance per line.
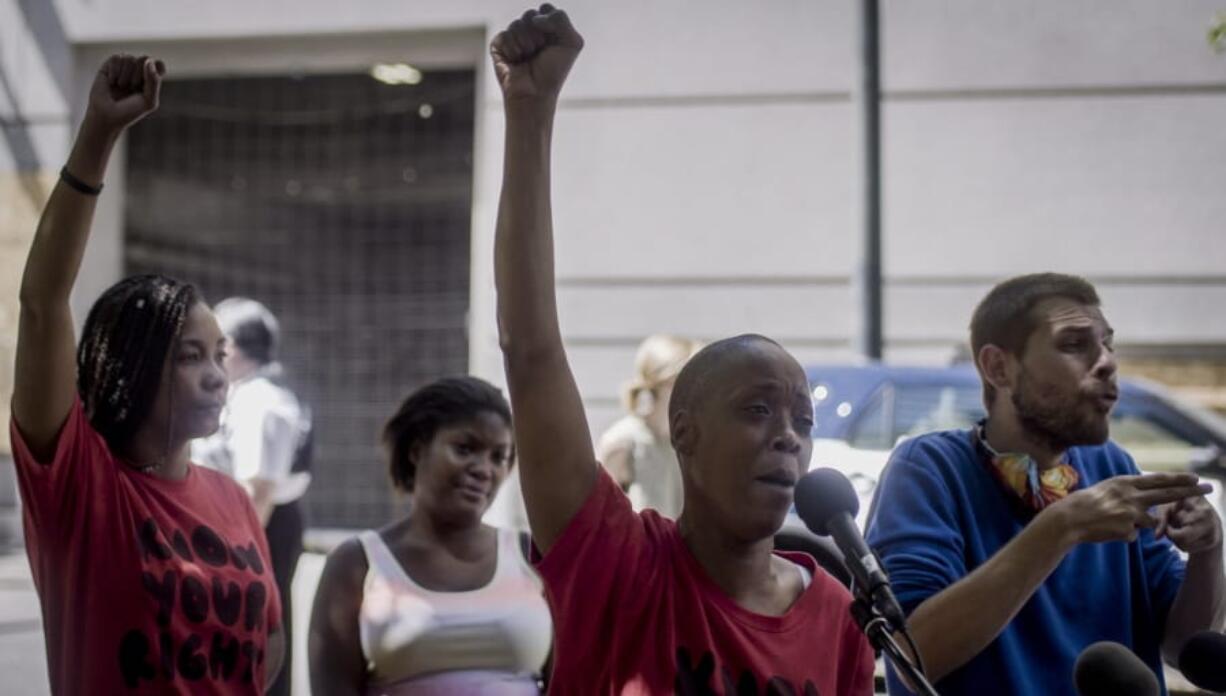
x=343, y=204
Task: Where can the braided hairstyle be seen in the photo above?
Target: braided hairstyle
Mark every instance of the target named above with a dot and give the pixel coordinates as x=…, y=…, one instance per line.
x=127, y=335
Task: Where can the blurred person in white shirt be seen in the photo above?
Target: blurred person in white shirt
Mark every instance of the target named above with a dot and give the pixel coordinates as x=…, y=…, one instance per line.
x=636, y=449
x=264, y=442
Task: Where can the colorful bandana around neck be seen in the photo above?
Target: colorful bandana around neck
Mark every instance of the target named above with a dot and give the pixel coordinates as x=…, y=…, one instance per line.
x=1020, y=475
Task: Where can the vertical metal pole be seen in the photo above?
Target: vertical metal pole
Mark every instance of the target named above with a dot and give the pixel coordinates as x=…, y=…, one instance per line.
x=868, y=97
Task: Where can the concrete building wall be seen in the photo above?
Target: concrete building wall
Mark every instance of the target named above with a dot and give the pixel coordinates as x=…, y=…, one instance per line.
x=706, y=157
x=35, y=60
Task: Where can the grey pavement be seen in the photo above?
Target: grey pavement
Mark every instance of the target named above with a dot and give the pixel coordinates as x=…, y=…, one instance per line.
x=23, y=656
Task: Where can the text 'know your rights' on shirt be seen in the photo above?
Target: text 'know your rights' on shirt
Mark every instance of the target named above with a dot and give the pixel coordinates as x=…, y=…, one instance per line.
x=147, y=585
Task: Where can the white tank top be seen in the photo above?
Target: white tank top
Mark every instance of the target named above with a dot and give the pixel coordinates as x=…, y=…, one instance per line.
x=491, y=640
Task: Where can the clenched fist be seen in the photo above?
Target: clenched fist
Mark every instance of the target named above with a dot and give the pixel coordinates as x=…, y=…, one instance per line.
x=534, y=54
x=125, y=90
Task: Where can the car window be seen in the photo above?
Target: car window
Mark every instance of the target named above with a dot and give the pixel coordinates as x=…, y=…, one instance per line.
x=1152, y=445
x=872, y=427
x=920, y=409
x=1134, y=429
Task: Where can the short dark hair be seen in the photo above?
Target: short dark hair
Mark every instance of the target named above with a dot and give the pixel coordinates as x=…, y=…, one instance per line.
x=439, y=404
x=1005, y=317
x=251, y=327
x=128, y=333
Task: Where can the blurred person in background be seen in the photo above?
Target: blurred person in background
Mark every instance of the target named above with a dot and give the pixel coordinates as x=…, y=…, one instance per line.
x=436, y=603
x=636, y=449
x=264, y=442
x=152, y=573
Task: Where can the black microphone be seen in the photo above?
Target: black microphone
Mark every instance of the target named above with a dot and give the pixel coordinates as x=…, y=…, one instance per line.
x=1203, y=661
x=1110, y=669
x=828, y=505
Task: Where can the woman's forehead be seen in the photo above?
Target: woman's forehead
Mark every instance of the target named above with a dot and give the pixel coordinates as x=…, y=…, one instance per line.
x=201, y=325
x=763, y=366
x=486, y=425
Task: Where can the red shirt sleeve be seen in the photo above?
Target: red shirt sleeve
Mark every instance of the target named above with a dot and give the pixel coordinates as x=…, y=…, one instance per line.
x=53, y=493
x=592, y=572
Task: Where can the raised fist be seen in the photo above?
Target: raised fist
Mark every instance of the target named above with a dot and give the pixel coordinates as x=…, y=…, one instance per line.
x=533, y=55
x=125, y=90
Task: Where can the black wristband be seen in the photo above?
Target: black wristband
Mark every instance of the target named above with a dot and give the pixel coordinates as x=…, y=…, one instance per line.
x=77, y=185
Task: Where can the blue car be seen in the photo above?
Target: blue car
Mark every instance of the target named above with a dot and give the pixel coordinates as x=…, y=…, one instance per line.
x=862, y=412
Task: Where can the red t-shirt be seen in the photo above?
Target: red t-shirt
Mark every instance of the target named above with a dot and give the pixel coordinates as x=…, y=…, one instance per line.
x=635, y=613
x=146, y=585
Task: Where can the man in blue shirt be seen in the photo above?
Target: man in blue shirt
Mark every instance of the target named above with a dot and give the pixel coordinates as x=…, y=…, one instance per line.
x=1015, y=545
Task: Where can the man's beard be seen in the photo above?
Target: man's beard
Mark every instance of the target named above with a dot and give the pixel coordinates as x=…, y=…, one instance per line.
x=1054, y=420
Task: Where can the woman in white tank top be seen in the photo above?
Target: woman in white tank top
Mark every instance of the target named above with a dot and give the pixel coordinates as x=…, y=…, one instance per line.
x=436, y=603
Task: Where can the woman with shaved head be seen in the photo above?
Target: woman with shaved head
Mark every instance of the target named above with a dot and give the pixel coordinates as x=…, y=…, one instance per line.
x=643, y=604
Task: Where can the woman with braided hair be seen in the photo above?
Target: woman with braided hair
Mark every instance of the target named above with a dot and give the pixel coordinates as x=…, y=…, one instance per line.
x=152, y=573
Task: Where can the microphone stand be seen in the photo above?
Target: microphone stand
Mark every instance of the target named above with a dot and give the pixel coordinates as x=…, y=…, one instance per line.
x=881, y=636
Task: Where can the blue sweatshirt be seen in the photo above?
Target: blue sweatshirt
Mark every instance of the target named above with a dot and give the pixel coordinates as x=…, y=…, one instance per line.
x=940, y=513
